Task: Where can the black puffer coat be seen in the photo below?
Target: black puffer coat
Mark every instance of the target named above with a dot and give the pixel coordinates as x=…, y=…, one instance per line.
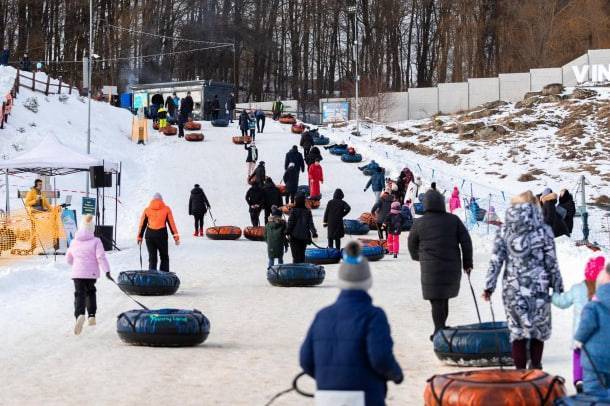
x=198, y=202
x=336, y=209
x=435, y=241
x=272, y=195
x=567, y=202
x=295, y=157
x=550, y=215
x=291, y=179
x=255, y=197
x=306, y=140
x=300, y=222
x=381, y=209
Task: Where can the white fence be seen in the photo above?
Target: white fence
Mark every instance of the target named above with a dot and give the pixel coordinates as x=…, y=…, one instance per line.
x=450, y=98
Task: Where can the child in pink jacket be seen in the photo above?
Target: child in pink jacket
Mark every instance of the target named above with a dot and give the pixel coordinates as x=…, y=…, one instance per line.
x=87, y=257
x=454, y=201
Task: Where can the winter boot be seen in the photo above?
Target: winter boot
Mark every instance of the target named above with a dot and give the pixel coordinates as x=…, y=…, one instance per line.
x=91, y=320
x=196, y=233
x=78, y=327
x=395, y=255
x=201, y=232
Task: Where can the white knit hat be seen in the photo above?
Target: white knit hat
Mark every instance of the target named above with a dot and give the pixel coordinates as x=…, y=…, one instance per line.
x=87, y=224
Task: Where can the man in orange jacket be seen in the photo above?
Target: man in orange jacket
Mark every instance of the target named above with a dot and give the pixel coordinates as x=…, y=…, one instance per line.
x=154, y=221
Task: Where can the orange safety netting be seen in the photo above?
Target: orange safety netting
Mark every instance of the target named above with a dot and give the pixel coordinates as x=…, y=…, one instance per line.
x=24, y=232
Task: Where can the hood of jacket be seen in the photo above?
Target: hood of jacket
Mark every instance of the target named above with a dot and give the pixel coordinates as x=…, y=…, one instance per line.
x=550, y=197
x=523, y=217
x=338, y=194
x=434, y=202
x=197, y=191
x=456, y=192
x=156, y=204
x=84, y=235
x=566, y=197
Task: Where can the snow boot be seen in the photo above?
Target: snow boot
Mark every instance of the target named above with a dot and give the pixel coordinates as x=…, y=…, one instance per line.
x=201, y=232
x=91, y=321
x=395, y=255
x=78, y=327
x=196, y=233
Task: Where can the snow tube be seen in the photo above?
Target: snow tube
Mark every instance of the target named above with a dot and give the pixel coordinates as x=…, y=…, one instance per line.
x=254, y=233
x=312, y=203
x=163, y=327
x=322, y=256
x=474, y=344
x=192, y=126
x=148, y=283
x=297, y=128
x=194, y=137
x=303, y=189
x=494, y=387
x=220, y=122
x=296, y=275
x=597, y=399
x=242, y=140
x=366, y=242
x=223, y=233
x=282, y=189
x=355, y=227
x=169, y=130
x=338, y=150
x=155, y=126
x=321, y=140
x=351, y=158
x=288, y=119
x=369, y=220
x=373, y=253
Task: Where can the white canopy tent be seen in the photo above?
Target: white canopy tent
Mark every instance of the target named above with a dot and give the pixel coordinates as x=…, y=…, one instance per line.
x=51, y=158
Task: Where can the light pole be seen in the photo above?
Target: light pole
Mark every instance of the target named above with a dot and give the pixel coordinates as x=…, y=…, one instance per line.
x=354, y=9
x=89, y=62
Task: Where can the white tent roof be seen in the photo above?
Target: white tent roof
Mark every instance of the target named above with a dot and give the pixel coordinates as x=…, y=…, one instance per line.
x=51, y=157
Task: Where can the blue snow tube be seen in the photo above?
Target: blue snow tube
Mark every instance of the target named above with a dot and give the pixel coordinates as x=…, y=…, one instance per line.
x=322, y=256
x=351, y=158
x=220, y=122
x=338, y=150
x=598, y=399
x=373, y=253
x=481, y=344
x=163, y=327
x=148, y=283
x=296, y=275
x=321, y=140
x=355, y=227
x=303, y=189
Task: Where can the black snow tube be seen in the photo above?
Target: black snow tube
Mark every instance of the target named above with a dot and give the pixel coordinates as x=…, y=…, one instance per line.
x=322, y=256
x=601, y=399
x=373, y=252
x=355, y=227
x=351, y=158
x=220, y=122
x=163, y=327
x=148, y=283
x=475, y=345
x=296, y=275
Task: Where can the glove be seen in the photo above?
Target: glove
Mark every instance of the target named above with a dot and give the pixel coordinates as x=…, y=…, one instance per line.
x=486, y=295
x=109, y=277
x=177, y=242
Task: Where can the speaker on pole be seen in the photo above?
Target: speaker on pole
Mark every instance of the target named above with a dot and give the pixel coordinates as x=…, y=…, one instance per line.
x=105, y=233
x=96, y=176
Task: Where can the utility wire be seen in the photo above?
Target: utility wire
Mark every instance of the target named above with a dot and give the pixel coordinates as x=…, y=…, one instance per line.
x=165, y=36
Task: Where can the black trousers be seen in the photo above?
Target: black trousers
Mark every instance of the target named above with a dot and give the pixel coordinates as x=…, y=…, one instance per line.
x=231, y=115
x=519, y=350
x=260, y=124
x=84, y=297
x=336, y=242
x=306, y=152
x=440, y=312
x=381, y=232
x=180, y=130
x=297, y=248
x=198, y=221
x=252, y=134
x=290, y=198
x=255, y=215
x=157, y=244
x=244, y=132
x=267, y=214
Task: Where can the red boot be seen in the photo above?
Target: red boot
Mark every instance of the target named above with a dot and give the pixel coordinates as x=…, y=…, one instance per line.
x=195, y=234
x=201, y=232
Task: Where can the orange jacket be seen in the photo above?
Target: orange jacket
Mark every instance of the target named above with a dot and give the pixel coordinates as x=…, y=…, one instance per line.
x=157, y=216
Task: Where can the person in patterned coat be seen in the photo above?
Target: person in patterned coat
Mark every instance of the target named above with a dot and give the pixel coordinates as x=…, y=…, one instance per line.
x=526, y=245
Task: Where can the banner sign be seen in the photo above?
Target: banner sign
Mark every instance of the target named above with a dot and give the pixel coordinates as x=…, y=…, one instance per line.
x=335, y=111
x=88, y=206
x=140, y=100
x=68, y=218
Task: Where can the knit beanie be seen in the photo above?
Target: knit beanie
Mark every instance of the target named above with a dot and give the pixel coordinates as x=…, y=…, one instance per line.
x=594, y=267
x=354, y=271
x=395, y=208
x=157, y=196
x=87, y=224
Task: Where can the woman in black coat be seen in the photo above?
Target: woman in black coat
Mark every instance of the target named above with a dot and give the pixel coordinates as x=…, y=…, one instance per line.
x=291, y=180
x=336, y=209
x=435, y=241
x=198, y=207
x=273, y=197
x=551, y=217
x=381, y=210
x=256, y=201
x=300, y=229
x=566, y=201
x=244, y=121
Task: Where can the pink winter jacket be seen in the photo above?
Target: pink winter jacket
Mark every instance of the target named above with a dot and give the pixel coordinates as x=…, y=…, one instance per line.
x=86, y=256
x=454, y=202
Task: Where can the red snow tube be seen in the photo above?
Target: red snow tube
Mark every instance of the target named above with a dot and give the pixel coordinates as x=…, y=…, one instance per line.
x=255, y=233
x=297, y=128
x=374, y=243
x=191, y=125
x=312, y=203
x=369, y=219
x=242, y=140
x=282, y=189
x=288, y=119
x=494, y=387
x=155, y=126
x=223, y=233
x=170, y=130
x=194, y=137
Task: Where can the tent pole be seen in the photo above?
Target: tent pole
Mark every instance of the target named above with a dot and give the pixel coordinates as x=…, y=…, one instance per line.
x=8, y=204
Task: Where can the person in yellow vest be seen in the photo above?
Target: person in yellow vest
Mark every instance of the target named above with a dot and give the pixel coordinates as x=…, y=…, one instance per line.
x=35, y=200
x=162, y=116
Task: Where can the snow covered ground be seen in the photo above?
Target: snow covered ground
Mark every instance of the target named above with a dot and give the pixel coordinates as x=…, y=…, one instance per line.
x=252, y=351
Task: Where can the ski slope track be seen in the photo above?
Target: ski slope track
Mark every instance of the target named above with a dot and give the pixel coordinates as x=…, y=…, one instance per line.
x=256, y=329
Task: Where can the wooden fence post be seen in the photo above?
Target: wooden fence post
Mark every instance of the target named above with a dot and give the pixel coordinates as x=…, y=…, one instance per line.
x=34, y=81
x=46, y=90
x=18, y=76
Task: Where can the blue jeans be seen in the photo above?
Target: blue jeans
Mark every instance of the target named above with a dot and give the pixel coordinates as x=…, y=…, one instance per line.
x=591, y=383
x=280, y=260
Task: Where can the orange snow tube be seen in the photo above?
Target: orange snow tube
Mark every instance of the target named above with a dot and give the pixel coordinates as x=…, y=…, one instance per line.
x=242, y=140
x=368, y=219
x=255, y=233
x=373, y=243
x=288, y=119
x=494, y=387
x=223, y=233
x=155, y=126
x=170, y=130
x=192, y=126
x=297, y=128
x=194, y=137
